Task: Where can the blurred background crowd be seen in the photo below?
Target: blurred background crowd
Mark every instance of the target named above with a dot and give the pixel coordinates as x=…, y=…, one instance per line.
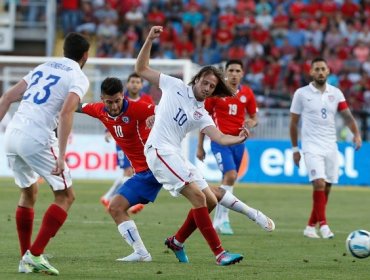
x=276, y=40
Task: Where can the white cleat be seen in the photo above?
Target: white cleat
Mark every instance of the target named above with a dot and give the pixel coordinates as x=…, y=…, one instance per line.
x=310, y=232
x=136, y=257
x=24, y=267
x=326, y=232
x=264, y=222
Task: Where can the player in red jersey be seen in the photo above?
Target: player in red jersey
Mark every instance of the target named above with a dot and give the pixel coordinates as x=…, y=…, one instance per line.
x=231, y=114
x=134, y=86
x=126, y=121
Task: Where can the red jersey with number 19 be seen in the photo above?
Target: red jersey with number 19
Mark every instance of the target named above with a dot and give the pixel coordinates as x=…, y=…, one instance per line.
x=229, y=112
x=128, y=129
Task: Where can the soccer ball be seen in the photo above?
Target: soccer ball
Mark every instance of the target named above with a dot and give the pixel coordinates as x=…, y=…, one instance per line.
x=358, y=243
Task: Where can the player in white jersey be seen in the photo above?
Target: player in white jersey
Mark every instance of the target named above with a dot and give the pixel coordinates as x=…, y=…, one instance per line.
x=180, y=110
x=317, y=104
x=49, y=95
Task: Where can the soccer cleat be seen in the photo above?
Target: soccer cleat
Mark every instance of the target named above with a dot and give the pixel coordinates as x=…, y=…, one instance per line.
x=310, y=232
x=178, y=250
x=24, y=267
x=136, y=257
x=264, y=222
x=326, y=232
x=39, y=264
x=105, y=202
x=227, y=258
x=136, y=208
x=224, y=229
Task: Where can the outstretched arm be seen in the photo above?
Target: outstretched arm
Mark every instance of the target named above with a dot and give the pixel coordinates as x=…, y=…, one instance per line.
x=352, y=125
x=15, y=93
x=294, y=119
x=142, y=63
x=225, y=139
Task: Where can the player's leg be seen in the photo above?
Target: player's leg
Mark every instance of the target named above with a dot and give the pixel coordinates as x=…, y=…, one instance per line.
x=140, y=189
x=230, y=201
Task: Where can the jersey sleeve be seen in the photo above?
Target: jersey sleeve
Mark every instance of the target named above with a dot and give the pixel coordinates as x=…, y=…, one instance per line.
x=251, y=104
x=209, y=105
x=296, y=106
x=170, y=84
x=342, y=104
x=92, y=109
x=79, y=84
x=144, y=110
x=206, y=121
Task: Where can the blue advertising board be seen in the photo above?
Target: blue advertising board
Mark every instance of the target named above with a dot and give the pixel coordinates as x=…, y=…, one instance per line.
x=271, y=161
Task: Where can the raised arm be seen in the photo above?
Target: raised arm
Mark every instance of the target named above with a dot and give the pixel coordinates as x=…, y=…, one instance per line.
x=15, y=93
x=142, y=63
x=352, y=125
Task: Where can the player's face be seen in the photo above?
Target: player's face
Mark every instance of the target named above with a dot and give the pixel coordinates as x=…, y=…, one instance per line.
x=205, y=86
x=134, y=86
x=319, y=72
x=234, y=74
x=113, y=103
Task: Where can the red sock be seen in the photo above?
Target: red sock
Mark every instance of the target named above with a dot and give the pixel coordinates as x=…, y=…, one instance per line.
x=53, y=219
x=319, y=205
x=187, y=228
x=204, y=223
x=313, y=219
x=24, y=220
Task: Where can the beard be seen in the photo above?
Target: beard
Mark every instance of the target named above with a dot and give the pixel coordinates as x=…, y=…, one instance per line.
x=320, y=82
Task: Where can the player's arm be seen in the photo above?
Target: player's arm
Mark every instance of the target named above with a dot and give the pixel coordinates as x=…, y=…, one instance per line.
x=64, y=128
x=201, y=154
x=350, y=121
x=251, y=121
x=293, y=130
x=225, y=139
x=15, y=93
x=79, y=108
x=142, y=62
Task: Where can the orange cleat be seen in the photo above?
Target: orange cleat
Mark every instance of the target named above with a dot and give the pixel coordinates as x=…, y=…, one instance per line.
x=136, y=208
x=105, y=202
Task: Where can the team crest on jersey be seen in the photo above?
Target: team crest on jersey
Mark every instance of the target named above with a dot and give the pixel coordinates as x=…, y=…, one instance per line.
x=243, y=99
x=331, y=98
x=197, y=115
x=125, y=119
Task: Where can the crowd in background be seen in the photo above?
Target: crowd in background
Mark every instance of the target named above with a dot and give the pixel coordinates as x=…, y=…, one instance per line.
x=276, y=40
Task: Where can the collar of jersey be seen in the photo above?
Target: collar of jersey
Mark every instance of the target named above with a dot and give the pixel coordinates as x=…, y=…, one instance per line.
x=124, y=109
x=317, y=90
x=199, y=104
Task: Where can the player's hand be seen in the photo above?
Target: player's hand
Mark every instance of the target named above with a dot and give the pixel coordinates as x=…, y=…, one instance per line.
x=297, y=158
x=357, y=141
x=155, y=32
x=107, y=137
x=244, y=132
x=150, y=121
x=59, y=168
x=250, y=123
x=201, y=154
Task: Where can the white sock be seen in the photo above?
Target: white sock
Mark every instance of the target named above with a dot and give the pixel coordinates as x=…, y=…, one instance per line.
x=230, y=201
x=129, y=232
x=117, y=183
x=223, y=211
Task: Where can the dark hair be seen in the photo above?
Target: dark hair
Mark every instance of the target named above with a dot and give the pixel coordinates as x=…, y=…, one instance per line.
x=75, y=45
x=318, y=59
x=221, y=90
x=234, y=61
x=110, y=86
x=134, y=75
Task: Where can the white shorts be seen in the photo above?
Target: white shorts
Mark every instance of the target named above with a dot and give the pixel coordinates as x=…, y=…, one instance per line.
x=173, y=171
x=29, y=159
x=323, y=166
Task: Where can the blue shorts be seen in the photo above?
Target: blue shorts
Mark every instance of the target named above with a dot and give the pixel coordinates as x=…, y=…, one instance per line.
x=142, y=188
x=228, y=157
x=122, y=160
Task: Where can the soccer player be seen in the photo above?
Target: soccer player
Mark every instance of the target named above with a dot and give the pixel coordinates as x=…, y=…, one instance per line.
x=318, y=104
x=126, y=121
x=231, y=114
x=134, y=86
x=180, y=110
x=49, y=95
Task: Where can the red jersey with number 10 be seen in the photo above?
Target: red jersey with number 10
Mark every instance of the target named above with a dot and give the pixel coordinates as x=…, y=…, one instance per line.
x=128, y=129
x=229, y=112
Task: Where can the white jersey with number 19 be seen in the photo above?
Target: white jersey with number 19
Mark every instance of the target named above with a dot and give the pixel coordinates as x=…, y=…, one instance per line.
x=48, y=87
x=177, y=113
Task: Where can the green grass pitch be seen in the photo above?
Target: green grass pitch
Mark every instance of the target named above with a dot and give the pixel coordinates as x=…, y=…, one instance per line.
x=88, y=244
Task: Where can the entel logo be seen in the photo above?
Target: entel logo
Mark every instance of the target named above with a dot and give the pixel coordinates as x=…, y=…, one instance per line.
x=275, y=162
